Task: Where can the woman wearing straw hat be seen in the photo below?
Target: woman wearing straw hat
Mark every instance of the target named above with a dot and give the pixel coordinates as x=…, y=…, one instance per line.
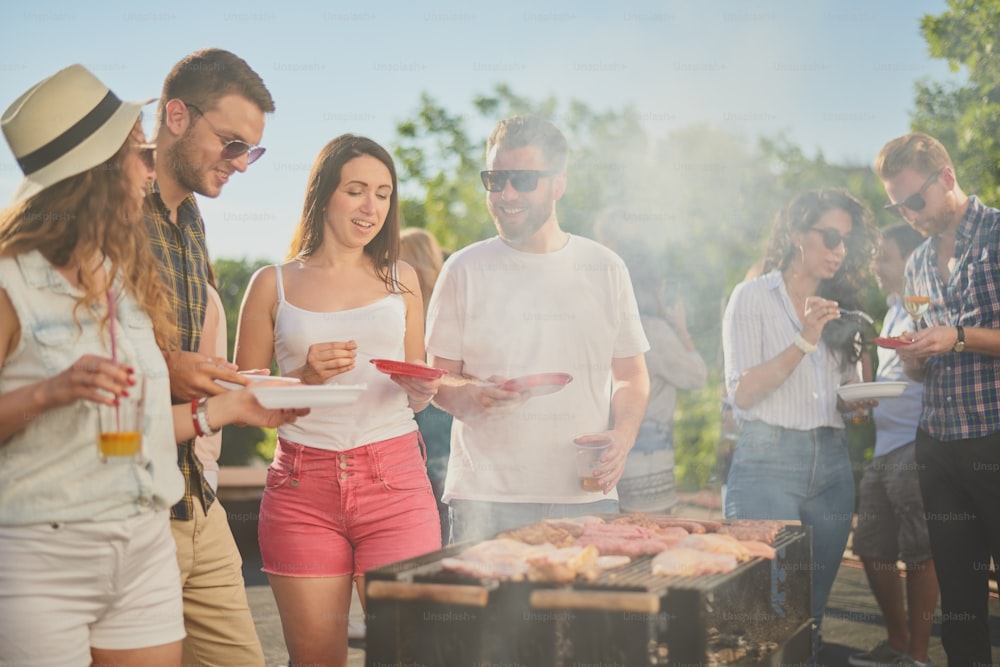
x=87, y=566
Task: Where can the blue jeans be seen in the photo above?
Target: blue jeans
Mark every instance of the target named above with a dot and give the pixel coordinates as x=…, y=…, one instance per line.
x=781, y=473
x=480, y=520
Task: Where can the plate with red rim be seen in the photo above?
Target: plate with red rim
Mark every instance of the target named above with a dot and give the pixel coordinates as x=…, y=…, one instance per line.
x=394, y=367
x=538, y=384
x=307, y=395
x=890, y=343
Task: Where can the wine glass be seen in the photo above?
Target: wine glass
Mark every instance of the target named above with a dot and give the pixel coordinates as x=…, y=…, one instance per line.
x=916, y=305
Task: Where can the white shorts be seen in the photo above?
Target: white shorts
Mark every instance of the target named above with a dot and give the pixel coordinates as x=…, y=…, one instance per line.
x=65, y=588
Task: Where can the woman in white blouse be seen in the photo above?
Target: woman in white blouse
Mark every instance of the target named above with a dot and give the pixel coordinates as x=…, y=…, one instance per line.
x=786, y=352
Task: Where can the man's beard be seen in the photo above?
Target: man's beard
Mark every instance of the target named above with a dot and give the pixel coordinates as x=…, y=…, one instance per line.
x=182, y=168
x=523, y=232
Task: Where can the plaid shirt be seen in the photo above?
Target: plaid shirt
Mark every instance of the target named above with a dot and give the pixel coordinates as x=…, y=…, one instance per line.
x=962, y=389
x=183, y=257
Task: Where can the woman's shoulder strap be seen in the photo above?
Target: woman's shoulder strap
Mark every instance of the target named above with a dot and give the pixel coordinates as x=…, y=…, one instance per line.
x=279, y=283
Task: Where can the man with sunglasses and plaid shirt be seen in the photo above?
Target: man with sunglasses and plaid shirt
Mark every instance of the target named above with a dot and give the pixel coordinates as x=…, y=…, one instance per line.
x=532, y=300
x=210, y=118
x=957, y=356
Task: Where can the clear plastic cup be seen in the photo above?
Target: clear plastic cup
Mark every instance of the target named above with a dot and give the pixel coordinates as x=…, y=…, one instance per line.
x=119, y=437
x=588, y=459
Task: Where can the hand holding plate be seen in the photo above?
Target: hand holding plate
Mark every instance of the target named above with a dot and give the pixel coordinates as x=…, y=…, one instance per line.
x=495, y=401
x=929, y=342
x=419, y=389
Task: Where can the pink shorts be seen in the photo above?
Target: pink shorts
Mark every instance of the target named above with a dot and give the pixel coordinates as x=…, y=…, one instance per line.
x=328, y=514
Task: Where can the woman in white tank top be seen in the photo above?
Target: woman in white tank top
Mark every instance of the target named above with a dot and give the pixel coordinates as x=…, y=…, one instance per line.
x=348, y=489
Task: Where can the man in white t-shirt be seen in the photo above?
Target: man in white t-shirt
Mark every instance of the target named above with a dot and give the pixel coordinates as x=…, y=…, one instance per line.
x=534, y=299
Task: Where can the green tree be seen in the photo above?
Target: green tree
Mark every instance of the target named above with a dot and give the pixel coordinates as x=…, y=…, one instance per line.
x=434, y=150
x=231, y=278
x=242, y=445
x=966, y=118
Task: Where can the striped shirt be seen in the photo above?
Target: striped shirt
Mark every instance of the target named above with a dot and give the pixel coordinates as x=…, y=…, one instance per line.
x=962, y=389
x=759, y=324
x=183, y=257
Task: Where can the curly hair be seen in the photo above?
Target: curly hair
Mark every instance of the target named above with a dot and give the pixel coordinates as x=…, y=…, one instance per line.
x=94, y=214
x=846, y=285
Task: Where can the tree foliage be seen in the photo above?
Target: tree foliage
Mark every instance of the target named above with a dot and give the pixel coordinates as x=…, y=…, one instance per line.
x=241, y=445
x=231, y=279
x=966, y=118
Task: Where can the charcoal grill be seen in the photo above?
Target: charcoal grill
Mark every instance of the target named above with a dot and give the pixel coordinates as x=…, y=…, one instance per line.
x=421, y=614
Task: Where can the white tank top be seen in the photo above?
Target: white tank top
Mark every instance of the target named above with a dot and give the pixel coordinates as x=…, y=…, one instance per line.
x=382, y=411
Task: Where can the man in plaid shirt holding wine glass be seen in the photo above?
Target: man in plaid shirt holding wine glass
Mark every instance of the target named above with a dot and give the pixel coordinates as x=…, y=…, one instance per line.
x=957, y=356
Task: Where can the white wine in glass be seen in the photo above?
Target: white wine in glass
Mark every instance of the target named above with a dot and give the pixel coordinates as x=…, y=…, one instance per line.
x=916, y=306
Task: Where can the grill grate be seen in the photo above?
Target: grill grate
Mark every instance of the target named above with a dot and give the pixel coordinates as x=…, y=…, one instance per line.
x=424, y=614
x=638, y=575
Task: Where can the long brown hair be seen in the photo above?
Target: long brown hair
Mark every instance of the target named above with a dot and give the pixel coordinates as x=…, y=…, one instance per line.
x=324, y=179
x=94, y=214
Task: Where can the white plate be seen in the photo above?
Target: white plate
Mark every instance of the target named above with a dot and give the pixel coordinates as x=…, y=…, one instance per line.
x=256, y=378
x=308, y=395
x=863, y=390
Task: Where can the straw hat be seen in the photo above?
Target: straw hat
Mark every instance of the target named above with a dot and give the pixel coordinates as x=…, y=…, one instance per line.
x=63, y=126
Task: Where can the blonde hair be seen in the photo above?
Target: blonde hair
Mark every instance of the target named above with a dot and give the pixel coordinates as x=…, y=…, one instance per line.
x=917, y=151
x=88, y=215
x=420, y=249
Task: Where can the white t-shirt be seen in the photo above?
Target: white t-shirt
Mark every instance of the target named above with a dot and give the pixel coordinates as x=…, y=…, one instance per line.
x=510, y=313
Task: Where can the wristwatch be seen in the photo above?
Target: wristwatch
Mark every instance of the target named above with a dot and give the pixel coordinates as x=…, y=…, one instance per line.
x=960, y=343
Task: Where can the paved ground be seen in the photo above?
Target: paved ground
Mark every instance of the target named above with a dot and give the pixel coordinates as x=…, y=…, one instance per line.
x=853, y=622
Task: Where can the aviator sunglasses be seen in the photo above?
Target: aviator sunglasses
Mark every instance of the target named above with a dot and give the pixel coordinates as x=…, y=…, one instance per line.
x=831, y=237
x=231, y=148
x=522, y=180
x=914, y=202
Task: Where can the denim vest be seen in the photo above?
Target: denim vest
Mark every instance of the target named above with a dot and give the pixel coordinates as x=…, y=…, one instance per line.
x=49, y=471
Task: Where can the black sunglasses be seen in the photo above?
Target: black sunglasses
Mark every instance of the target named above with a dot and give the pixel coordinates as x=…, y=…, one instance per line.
x=831, y=236
x=914, y=202
x=522, y=180
x=147, y=153
x=231, y=148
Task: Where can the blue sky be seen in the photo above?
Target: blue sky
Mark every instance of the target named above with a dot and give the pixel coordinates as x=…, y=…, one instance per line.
x=834, y=75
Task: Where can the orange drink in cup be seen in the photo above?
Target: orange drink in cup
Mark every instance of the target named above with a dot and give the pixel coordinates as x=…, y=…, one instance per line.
x=119, y=436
